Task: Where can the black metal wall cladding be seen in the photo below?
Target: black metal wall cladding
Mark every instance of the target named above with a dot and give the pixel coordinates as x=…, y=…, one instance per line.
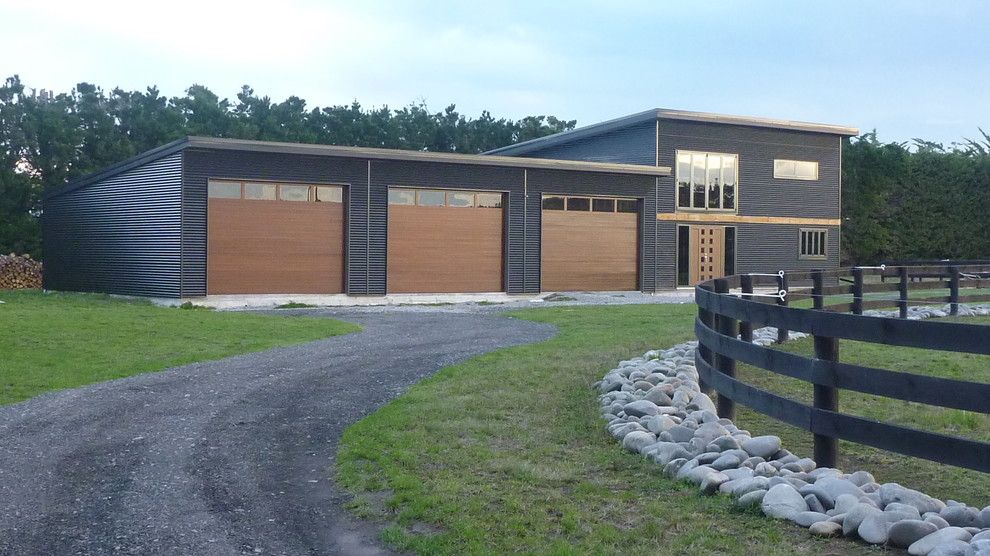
x=119, y=235
x=760, y=194
x=144, y=231
x=636, y=144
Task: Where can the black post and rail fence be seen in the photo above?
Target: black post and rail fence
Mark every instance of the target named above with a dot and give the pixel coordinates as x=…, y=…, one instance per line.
x=729, y=309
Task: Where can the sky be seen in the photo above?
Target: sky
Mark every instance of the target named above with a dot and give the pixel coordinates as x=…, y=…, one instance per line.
x=908, y=69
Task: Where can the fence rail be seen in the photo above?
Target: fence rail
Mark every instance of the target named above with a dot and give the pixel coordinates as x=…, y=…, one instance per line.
x=730, y=308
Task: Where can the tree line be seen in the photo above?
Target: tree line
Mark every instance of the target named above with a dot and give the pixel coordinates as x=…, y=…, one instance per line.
x=899, y=200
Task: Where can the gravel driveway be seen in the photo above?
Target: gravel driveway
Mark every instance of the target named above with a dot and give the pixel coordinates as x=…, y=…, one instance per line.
x=223, y=457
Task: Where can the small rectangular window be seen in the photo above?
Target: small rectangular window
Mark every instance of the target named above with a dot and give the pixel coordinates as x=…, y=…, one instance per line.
x=795, y=169
x=582, y=204
x=489, y=200
x=401, y=196
x=225, y=189
x=456, y=199
x=553, y=203
x=430, y=198
x=323, y=194
x=627, y=205
x=813, y=244
x=293, y=192
x=603, y=205
x=259, y=191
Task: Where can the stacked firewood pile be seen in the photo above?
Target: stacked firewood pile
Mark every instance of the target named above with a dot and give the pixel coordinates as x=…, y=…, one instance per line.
x=17, y=272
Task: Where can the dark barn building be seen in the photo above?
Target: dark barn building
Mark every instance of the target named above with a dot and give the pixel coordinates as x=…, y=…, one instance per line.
x=205, y=216
x=647, y=202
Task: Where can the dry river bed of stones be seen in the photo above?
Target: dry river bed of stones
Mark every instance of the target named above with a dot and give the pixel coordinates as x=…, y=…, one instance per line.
x=654, y=406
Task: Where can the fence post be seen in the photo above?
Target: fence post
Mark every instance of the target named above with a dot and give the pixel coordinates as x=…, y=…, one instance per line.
x=708, y=320
x=745, y=326
x=724, y=364
x=954, y=290
x=827, y=398
x=782, y=334
x=818, y=289
x=857, y=304
x=902, y=304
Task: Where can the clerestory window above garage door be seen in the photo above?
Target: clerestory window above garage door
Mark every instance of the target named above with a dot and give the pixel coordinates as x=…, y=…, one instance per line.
x=444, y=198
x=589, y=204
x=266, y=191
x=707, y=181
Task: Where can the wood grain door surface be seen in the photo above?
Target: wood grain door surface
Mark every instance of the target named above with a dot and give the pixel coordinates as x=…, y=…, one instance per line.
x=592, y=251
x=445, y=249
x=707, y=253
x=258, y=247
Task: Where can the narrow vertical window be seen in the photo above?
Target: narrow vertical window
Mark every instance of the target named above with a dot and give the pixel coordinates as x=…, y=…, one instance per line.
x=683, y=180
x=729, y=183
x=683, y=255
x=730, y=250
x=714, y=181
x=698, y=180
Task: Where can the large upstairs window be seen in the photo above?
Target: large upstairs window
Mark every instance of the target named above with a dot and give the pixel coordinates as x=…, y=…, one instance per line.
x=706, y=181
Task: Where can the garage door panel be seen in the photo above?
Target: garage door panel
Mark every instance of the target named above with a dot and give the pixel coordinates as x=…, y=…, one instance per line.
x=258, y=247
x=590, y=251
x=445, y=249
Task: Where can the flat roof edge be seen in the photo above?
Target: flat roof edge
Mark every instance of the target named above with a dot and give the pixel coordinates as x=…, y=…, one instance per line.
x=424, y=156
x=574, y=134
x=667, y=114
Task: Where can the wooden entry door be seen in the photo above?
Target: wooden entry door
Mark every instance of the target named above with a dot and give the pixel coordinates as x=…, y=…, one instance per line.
x=707, y=253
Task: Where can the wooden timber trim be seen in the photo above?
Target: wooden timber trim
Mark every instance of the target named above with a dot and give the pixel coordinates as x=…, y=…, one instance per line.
x=738, y=219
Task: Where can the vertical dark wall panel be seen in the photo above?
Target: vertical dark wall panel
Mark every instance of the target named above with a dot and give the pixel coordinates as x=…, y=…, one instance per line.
x=542, y=182
x=635, y=144
x=202, y=164
x=773, y=247
x=760, y=194
x=759, y=248
x=119, y=235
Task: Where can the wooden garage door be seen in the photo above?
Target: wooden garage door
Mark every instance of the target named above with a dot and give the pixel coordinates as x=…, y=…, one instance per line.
x=590, y=244
x=442, y=241
x=275, y=238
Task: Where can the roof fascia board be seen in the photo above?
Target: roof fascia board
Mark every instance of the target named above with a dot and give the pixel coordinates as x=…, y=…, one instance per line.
x=575, y=134
x=120, y=167
x=424, y=156
x=665, y=114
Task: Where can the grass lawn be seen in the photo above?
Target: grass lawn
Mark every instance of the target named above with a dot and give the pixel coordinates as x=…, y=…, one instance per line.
x=506, y=453
x=937, y=480
x=54, y=341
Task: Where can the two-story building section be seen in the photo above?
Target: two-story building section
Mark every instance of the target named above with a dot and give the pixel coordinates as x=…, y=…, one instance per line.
x=745, y=194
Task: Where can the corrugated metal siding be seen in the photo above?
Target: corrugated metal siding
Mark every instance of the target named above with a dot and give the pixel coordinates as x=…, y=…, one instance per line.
x=759, y=193
x=202, y=164
x=642, y=187
x=759, y=248
x=120, y=235
x=773, y=247
x=635, y=144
